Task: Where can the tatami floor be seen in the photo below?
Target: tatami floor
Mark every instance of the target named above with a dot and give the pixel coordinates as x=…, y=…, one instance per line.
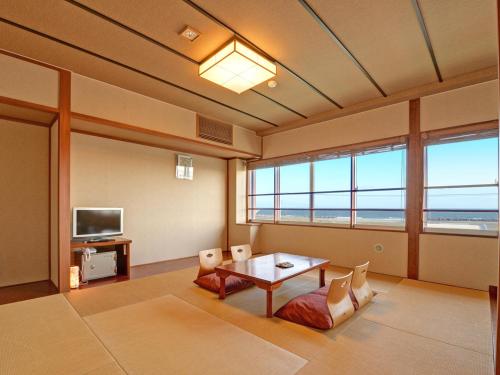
x=165, y=324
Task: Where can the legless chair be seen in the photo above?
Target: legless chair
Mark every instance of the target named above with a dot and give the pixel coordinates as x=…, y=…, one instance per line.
x=320, y=309
x=360, y=288
x=241, y=252
x=338, y=300
x=207, y=279
x=209, y=259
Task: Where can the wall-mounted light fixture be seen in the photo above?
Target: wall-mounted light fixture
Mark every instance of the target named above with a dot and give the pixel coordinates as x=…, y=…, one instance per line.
x=237, y=67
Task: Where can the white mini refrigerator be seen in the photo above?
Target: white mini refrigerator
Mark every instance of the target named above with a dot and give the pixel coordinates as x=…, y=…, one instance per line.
x=99, y=265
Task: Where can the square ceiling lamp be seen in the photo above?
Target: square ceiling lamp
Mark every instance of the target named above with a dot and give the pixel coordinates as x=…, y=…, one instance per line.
x=237, y=67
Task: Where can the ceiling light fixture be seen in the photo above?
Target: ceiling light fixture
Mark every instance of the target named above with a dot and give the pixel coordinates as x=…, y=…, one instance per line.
x=189, y=33
x=237, y=67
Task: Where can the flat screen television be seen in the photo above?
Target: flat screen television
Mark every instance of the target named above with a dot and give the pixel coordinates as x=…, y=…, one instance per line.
x=97, y=223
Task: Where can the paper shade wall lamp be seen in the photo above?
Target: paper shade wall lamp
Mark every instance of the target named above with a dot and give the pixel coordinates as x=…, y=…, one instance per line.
x=237, y=67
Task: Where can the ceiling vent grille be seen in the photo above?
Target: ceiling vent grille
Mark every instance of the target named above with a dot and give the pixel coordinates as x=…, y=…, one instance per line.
x=214, y=130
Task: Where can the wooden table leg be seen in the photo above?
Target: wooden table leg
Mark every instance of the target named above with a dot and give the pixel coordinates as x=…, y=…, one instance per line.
x=321, y=277
x=269, y=313
x=222, y=289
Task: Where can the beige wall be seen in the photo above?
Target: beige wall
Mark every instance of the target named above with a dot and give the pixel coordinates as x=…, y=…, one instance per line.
x=54, y=203
x=103, y=100
x=239, y=231
x=463, y=106
x=24, y=202
x=379, y=123
x=463, y=261
x=165, y=218
x=22, y=80
x=342, y=246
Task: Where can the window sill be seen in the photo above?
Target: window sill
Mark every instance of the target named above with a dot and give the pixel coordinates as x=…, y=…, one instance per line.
x=460, y=234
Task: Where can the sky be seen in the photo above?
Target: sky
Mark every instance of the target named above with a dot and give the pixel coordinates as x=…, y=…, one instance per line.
x=458, y=163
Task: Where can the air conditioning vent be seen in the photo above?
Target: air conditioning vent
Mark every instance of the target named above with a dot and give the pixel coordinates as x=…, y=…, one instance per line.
x=214, y=130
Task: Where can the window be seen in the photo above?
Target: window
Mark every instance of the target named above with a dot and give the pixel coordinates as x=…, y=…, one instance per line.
x=461, y=185
x=351, y=189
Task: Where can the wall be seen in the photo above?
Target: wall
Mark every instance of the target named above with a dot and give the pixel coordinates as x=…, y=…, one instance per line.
x=456, y=260
x=239, y=231
x=103, y=100
x=344, y=247
x=24, y=202
x=166, y=218
x=54, y=203
x=462, y=261
x=22, y=80
x=385, y=122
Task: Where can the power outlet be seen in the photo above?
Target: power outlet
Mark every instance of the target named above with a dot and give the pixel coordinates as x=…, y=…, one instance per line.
x=378, y=248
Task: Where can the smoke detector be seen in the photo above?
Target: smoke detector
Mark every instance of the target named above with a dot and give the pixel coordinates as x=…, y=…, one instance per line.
x=190, y=33
x=272, y=84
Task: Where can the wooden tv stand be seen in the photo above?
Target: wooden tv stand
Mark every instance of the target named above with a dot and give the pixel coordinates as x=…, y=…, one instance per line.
x=122, y=248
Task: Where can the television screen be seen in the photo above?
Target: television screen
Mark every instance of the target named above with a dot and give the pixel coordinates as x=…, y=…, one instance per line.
x=97, y=222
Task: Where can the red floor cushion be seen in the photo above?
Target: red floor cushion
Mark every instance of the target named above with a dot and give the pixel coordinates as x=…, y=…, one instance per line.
x=309, y=310
x=212, y=282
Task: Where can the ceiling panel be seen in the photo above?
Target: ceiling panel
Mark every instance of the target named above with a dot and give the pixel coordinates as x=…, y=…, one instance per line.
x=162, y=20
x=285, y=30
x=385, y=38
x=463, y=34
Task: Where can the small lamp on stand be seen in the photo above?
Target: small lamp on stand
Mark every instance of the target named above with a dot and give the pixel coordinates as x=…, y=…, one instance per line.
x=74, y=277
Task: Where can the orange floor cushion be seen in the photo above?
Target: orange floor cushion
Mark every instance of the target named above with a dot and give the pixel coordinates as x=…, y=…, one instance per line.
x=212, y=282
x=309, y=310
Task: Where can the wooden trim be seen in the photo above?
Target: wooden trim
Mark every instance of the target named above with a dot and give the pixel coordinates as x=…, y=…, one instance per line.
x=324, y=226
x=457, y=234
x=29, y=59
x=148, y=144
x=64, y=179
x=460, y=129
x=496, y=354
x=344, y=148
x=25, y=104
x=414, y=189
x=483, y=75
x=227, y=205
x=29, y=122
x=423, y=28
x=50, y=207
x=56, y=117
x=121, y=125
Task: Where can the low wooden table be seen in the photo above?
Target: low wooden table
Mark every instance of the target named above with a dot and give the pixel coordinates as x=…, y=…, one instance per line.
x=264, y=273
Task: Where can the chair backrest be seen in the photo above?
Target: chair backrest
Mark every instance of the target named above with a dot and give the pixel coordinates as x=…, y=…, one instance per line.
x=360, y=287
x=241, y=252
x=209, y=259
x=338, y=300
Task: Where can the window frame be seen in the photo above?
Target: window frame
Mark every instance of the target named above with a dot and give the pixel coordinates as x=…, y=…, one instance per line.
x=401, y=142
x=433, y=138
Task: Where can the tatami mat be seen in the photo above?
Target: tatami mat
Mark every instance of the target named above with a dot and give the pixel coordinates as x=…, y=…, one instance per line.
x=453, y=315
x=46, y=336
x=168, y=335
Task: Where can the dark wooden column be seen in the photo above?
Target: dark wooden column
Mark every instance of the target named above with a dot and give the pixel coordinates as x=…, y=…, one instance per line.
x=414, y=189
x=64, y=179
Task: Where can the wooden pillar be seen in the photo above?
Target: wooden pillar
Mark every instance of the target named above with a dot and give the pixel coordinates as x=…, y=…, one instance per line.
x=64, y=179
x=414, y=189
